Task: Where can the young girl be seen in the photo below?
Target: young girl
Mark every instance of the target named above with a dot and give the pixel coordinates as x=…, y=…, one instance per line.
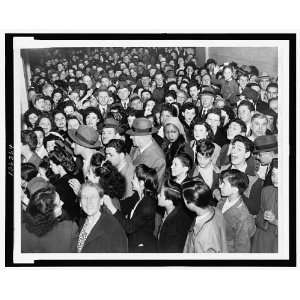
x=266, y=237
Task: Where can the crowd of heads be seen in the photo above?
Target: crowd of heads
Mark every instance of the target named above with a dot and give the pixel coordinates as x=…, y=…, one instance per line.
x=89, y=107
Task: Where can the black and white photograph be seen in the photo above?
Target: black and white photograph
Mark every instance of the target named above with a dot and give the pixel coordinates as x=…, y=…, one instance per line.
x=154, y=149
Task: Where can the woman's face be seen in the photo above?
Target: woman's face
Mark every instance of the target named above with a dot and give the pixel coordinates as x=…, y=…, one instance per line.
x=200, y=132
x=172, y=133
x=178, y=168
x=92, y=120
x=32, y=119
x=46, y=125
x=60, y=121
x=73, y=124
x=90, y=200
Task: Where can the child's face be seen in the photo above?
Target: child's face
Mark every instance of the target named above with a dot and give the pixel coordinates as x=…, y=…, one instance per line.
x=189, y=115
x=225, y=187
x=200, y=132
x=171, y=133
x=203, y=161
x=274, y=177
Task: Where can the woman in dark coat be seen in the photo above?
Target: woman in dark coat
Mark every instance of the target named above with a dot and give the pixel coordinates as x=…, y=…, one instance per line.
x=44, y=230
x=175, y=223
x=100, y=231
x=63, y=165
x=137, y=214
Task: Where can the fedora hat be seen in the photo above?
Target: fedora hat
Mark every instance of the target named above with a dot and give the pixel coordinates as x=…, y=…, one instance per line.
x=208, y=91
x=141, y=126
x=111, y=123
x=85, y=136
x=265, y=143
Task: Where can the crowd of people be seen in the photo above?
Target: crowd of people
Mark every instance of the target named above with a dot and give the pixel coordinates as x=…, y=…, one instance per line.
x=143, y=150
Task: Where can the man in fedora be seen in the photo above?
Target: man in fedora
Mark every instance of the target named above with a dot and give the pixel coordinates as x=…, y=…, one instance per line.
x=266, y=148
x=146, y=150
x=207, y=97
x=85, y=143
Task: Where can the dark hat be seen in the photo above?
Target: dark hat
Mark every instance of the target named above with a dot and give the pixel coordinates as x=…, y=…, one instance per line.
x=146, y=73
x=141, y=126
x=208, y=91
x=85, y=136
x=264, y=75
x=250, y=94
x=110, y=123
x=36, y=184
x=265, y=143
x=211, y=61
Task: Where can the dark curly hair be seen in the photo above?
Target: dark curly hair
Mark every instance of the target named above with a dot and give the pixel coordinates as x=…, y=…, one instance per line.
x=29, y=138
x=112, y=181
x=39, y=216
x=29, y=112
x=60, y=156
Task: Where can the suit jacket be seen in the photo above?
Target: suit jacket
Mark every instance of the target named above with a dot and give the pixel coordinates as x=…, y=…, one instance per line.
x=107, y=236
x=240, y=227
x=173, y=231
x=153, y=157
x=140, y=226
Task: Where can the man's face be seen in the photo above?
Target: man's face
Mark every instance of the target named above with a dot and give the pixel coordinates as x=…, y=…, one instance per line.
x=113, y=156
x=164, y=116
x=225, y=187
x=206, y=80
x=203, y=161
x=264, y=82
x=207, y=101
x=74, y=96
x=123, y=94
x=194, y=92
x=108, y=134
x=145, y=96
x=105, y=82
x=180, y=97
x=213, y=120
x=88, y=81
x=243, y=81
x=233, y=130
x=265, y=158
x=145, y=81
x=227, y=74
x=272, y=92
x=244, y=113
x=54, y=77
x=40, y=104
x=103, y=98
x=238, y=153
x=259, y=126
x=189, y=115
x=200, y=132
